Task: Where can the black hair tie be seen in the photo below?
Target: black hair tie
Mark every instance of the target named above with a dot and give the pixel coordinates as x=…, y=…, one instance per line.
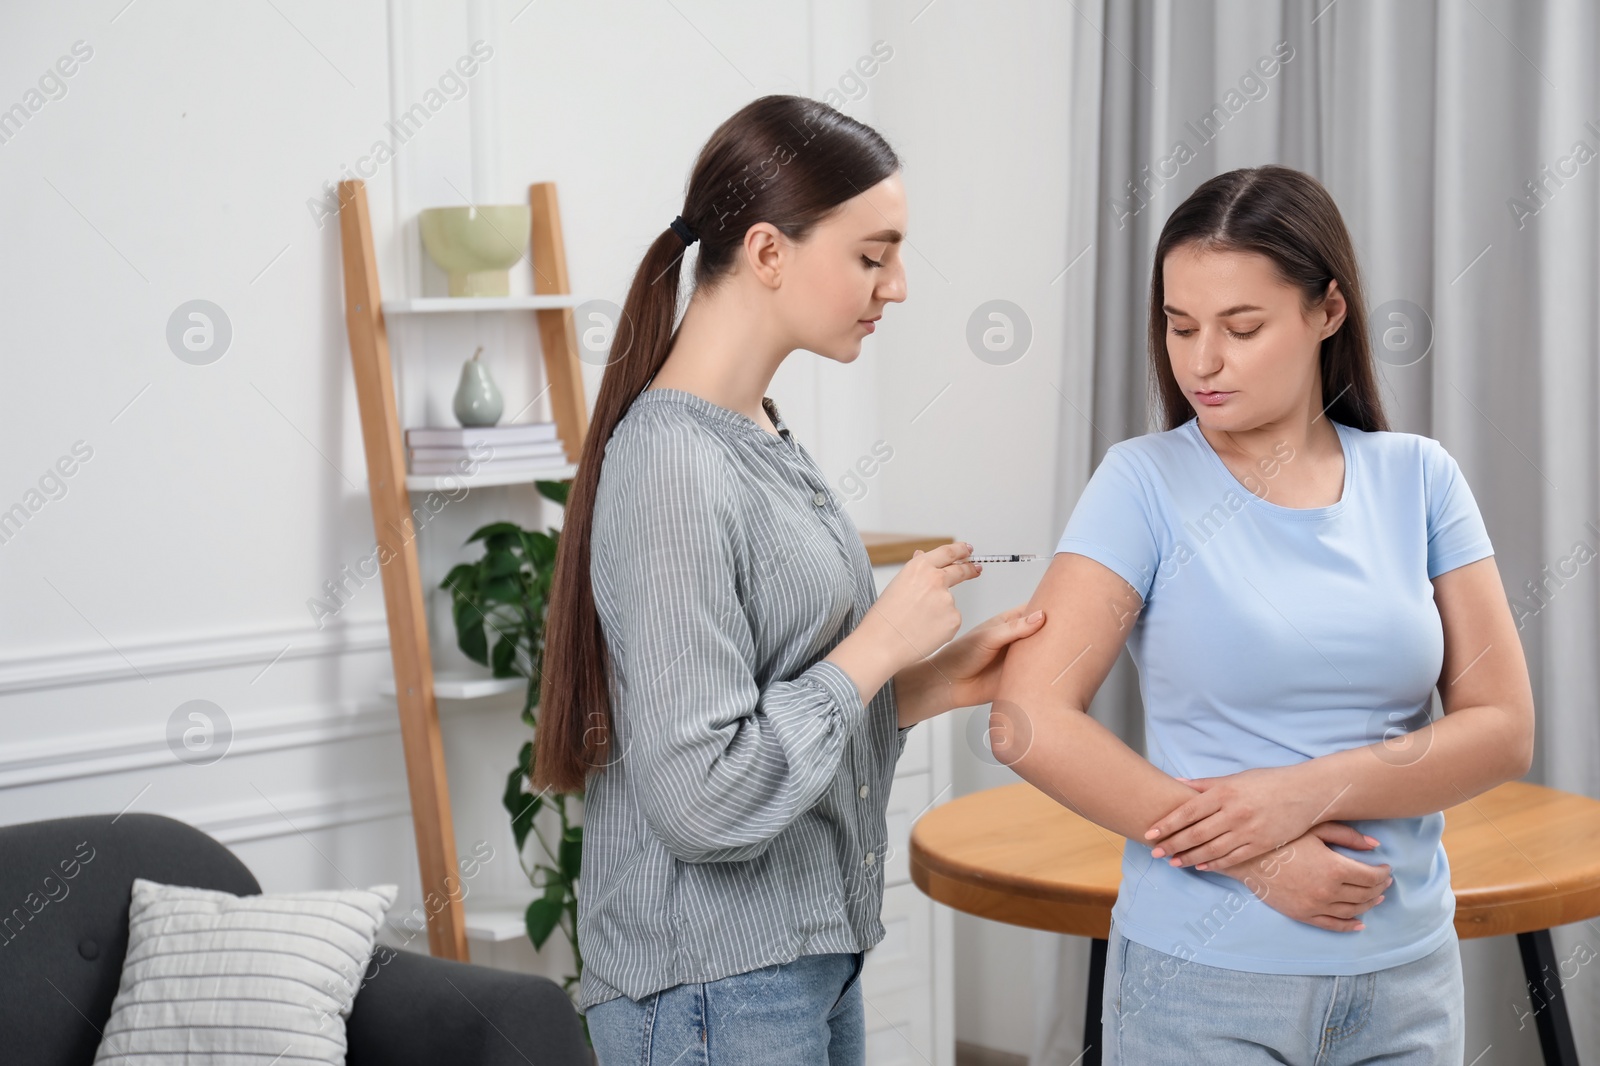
x=684, y=231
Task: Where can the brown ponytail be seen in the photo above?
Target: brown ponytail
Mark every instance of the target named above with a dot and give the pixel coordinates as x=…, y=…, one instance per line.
x=785, y=160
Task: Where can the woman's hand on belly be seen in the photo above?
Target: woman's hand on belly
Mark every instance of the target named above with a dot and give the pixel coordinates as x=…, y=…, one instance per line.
x=1239, y=817
x=1310, y=882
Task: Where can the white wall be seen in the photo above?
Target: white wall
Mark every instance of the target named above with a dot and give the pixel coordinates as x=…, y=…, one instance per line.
x=975, y=101
x=185, y=160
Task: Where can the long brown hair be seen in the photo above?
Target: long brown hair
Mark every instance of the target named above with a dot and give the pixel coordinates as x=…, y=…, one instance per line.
x=1287, y=216
x=785, y=160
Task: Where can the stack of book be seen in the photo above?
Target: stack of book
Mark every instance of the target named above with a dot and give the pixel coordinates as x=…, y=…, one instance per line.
x=529, y=447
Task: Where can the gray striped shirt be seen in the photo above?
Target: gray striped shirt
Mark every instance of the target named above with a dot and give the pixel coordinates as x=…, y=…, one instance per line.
x=739, y=822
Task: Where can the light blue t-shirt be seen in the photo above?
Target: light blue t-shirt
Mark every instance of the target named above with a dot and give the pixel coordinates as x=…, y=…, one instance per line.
x=1271, y=635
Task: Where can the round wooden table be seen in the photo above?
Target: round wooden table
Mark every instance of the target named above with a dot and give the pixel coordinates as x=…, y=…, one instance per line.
x=1521, y=861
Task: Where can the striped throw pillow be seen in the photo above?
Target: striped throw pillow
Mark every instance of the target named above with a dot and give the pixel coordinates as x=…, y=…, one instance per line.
x=213, y=978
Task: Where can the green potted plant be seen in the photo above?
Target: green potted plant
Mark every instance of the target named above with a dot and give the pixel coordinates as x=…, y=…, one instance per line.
x=499, y=603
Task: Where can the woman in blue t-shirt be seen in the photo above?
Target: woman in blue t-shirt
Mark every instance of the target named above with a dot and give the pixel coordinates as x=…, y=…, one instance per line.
x=1292, y=581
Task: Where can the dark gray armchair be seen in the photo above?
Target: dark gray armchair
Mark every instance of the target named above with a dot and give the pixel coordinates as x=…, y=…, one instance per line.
x=61, y=958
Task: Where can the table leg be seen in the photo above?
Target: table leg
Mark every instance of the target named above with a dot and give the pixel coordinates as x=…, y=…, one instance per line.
x=1549, y=1003
x=1091, y=1006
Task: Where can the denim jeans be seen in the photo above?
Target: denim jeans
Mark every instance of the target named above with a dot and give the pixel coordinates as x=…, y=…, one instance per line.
x=1160, y=1010
x=801, y=1013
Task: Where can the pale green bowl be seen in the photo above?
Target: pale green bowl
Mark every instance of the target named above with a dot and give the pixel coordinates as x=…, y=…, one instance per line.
x=476, y=246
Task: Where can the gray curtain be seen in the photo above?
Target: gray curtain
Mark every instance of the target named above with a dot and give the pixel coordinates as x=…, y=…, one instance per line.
x=1461, y=140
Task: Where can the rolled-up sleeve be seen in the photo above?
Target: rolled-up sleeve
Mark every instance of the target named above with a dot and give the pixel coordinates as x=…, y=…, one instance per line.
x=722, y=765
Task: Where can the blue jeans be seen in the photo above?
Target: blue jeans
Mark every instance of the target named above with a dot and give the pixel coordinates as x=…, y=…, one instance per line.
x=802, y=1013
x=1160, y=1010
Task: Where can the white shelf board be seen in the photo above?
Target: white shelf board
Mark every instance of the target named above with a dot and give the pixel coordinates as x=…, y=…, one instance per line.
x=461, y=685
x=442, y=304
x=489, y=476
x=496, y=920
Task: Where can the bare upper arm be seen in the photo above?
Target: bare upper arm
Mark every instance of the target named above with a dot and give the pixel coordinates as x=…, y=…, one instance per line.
x=1089, y=611
x=1483, y=660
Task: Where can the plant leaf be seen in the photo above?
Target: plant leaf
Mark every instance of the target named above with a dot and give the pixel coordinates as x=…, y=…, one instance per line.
x=522, y=806
x=501, y=590
x=469, y=631
x=501, y=562
x=541, y=549
x=554, y=491
x=503, y=540
x=491, y=529
x=571, y=853
x=543, y=914
x=462, y=579
x=505, y=657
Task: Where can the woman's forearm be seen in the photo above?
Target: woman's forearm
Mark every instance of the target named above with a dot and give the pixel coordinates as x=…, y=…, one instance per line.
x=1484, y=739
x=1447, y=762
x=1084, y=766
x=869, y=660
x=1038, y=725
x=921, y=692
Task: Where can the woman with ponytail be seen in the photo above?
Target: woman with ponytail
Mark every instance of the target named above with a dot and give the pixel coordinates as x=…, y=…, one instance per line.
x=720, y=677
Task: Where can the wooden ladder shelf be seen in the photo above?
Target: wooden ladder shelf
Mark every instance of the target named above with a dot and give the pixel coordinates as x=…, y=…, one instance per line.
x=382, y=435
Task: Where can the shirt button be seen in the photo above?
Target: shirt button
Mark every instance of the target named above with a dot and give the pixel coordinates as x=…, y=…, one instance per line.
x=820, y=498
x=864, y=790
x=871, y=858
